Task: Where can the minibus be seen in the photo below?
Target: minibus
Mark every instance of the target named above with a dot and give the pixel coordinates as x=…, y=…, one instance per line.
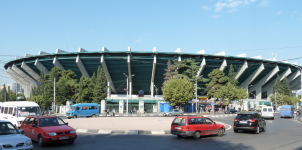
x=287, y=111
x=16, y=111
x=83, y=110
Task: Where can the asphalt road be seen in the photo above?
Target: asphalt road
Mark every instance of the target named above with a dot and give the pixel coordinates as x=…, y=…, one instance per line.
x=282, y=133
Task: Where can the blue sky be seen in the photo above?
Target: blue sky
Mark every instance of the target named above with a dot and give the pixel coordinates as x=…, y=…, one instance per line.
x=254, y=27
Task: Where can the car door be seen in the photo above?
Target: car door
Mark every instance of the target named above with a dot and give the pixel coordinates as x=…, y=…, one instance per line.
x=211, y=127
x=27, y=127
x=260, y=120
x=35, y=130
x=203, y=126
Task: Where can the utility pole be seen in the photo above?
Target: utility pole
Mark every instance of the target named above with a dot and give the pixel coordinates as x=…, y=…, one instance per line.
x=196, y=94
x=54, y=95
x=127, y=94
x=275, y=101
x=16, y=91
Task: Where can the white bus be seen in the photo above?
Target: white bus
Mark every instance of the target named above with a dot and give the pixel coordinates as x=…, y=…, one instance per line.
x=17, y=111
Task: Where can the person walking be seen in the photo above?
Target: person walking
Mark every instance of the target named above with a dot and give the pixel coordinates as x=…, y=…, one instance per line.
x=134, y=110
x=108, y=111
x=113, y=112
x=206, y=110
x=105, y=112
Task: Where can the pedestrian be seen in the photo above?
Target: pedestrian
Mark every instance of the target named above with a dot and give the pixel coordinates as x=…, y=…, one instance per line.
x=200, y=108
x=130, y=111
x=113, y=112
x=298, y=115
x=134, y=110
x=108, y=111
x=206, y=111
x=105, y=112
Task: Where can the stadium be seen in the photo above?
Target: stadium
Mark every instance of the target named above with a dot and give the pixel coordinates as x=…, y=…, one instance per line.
x=253, y=73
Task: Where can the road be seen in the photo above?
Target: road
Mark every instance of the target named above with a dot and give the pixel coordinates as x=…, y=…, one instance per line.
x=281, y=133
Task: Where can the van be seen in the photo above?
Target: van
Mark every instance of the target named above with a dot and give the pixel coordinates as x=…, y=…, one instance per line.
x=259, y=108
x=287, y=111
x=16, y=111
x=83, y=110
x=267, y=112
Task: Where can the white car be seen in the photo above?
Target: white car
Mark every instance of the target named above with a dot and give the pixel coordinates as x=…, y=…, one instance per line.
x=267, y=112
x=174, y=112
x=12, y=139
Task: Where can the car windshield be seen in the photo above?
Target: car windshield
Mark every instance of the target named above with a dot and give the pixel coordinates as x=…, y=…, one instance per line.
x=43, y=122
x=28, y=111
x=7, y=128
x=73, y=108
x=244, y=116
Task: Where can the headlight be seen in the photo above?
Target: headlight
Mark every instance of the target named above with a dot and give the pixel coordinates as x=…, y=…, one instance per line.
x=72, y=132
x=52, y=134
x=28, y=143
x=71, y=113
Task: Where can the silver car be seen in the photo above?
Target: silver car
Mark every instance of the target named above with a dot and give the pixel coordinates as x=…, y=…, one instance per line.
x=174, y=112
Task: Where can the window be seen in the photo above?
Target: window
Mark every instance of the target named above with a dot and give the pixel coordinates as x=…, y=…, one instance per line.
x=282, y=109
x=10, y=110
x=84, y=108
x=270, y=109
x=197, y=121
x=179, y=121
x=7, y=128
x=287, y=109
x=244, y=116
x=264, y=109
x=78, y=108
x=14, y=113
x=93, y=107
x=30, y=121
x=5, y=110
x=35, y=122
x=2, y=110
x=50, y=122
x=25, y=120
x=208, y=121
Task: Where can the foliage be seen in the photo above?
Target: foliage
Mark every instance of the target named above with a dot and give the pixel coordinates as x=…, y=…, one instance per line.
x=278, y=85
x=218, y=80
x=66, y=87
x=232, y=75
x=285, y=88
x=170, y=72
x=99, y=92
x=178, y=91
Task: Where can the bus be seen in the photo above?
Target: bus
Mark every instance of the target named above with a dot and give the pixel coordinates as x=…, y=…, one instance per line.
x=16, y=111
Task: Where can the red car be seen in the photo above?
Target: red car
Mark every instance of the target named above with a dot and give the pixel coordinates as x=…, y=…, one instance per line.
x=48, y=129
x=195, y=126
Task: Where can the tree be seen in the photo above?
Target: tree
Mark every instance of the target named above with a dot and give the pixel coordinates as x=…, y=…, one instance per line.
x=278, y=85
x=285, y=88
x=91, y=85
x=66, y=87
x=4, y=94
x=170, y=72
x=189, y=68
x=100, y=88
x=178, y=91
x=217, y=81
x=40, y=88
x=232, y=76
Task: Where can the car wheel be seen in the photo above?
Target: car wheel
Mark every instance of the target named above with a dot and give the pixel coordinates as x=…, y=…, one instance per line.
x=264, y=128
x=170, y=115
x=220, y=132
x=68, y=117
x=257, y=130
x=74, y=116
x=93, y=115
x=196, y=135
x=179, y=136
x=180, y=114
x=70, y=142
x=235, y=131
x=273, y=118
x=40, y=141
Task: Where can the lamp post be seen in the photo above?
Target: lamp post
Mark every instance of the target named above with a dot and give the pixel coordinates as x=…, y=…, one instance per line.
x=54, y=94
x=196, y=92
x=127, y=90
x=156, y=89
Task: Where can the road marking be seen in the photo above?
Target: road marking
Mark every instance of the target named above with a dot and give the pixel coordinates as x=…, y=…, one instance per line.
x=151, y=115
x=82, y=130
x=105, y=131
x=125, y=115
x=117, y=115
x=131, y=132
x=134, y=115
x=157, y=132
x=143, y=115
x=228, y=126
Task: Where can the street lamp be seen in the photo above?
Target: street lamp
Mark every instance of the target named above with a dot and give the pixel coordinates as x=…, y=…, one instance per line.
x=54, y=94
x=127, y=89
x=156, y=89
x=196, y=93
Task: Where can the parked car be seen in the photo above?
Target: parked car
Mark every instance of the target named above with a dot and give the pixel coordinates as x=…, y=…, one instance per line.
x=268, y=112
x=249, y=121
x=83, y=110
x=193, y=126
x=287, y=111
x=11, y=138
x=230, y=111
x=174, y=112
x=48, y=129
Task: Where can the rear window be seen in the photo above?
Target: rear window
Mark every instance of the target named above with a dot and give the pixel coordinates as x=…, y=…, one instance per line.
x=247, y=116
x=179, y=121
x=270, y=110
x=264, y=109
x=287, y=109
x=282, y=109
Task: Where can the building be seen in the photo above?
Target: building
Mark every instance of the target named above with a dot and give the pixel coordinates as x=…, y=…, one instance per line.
x=255, y=74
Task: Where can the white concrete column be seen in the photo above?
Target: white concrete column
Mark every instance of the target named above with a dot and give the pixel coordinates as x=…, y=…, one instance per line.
x=152, y=77
x=108, y=90
x=202, y=66
x=30, y=71
x=22, y=74
x=82, y=67
x=223, y=65
x=104, y=66
x=129, y=73
x=252, y=77
x=294, y=82
x=41, y=67
x=58, y=64
x=293, y=76
x=241, y=70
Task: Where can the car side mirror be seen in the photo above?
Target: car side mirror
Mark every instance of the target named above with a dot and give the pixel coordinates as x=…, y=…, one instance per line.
x=14, y=114
x=215, y=123
x=21, y=131
x=66, y=123
x=34, y=125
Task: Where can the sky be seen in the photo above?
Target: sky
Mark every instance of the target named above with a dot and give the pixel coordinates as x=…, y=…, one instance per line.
x=255, y=27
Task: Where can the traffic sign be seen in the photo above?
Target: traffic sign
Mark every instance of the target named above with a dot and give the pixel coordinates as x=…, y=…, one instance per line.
x=212, y=104
x=301, y=104
x=235, y=101
x=301, y=100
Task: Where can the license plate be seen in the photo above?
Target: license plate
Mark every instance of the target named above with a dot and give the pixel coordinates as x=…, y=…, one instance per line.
x=177, y=127
x=243, y=121
x=64, y=138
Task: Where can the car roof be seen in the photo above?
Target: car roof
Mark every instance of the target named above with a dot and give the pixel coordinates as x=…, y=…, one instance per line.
x=85, y=104
x=3, y=121
x=190, y=117
x=43, y=116
x=251, y=113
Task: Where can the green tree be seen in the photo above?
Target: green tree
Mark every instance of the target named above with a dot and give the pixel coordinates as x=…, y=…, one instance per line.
x=278, y=85
x=99, y=92
x=218, y=80
x=66, y=87
x=170, y=72
x=39, y=89
x=285, y=88
x=4, y=94
x=232, y=76
x=279, y=98
x=91, y=86
x=178, y=91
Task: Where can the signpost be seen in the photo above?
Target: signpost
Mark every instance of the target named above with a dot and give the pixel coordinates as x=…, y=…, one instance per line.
x=235, y=101
x=212, y=104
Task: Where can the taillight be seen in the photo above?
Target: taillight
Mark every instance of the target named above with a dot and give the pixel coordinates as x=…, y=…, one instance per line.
x=235, y=120
x=261, y=114
x=187, y=128
x=253, y=120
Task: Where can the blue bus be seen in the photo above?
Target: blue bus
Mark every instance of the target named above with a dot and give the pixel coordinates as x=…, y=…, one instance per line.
x=287, y=111
x=83, y=110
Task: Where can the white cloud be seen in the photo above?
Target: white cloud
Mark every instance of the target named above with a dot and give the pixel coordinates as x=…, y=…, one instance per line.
x=206, y=8
x=296, y=12
x=216, y=16
x=279, y=12
x=264, y=3
x=231, y=4
x=220, y=6
x=253, y=0
x=232, y=10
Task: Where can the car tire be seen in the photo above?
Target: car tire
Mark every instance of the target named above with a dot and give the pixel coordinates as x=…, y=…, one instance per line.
x=264, y=128
x=68, y=117
x=235, y=131
x=40, y=141
x=74, y=116
x=220, y=132
x=273, y=118
x=257, y=130
x=169, y=115
x=93, y=115
x=179, y=136
x=180, y=114
x=196, y=135
x=70, y=142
